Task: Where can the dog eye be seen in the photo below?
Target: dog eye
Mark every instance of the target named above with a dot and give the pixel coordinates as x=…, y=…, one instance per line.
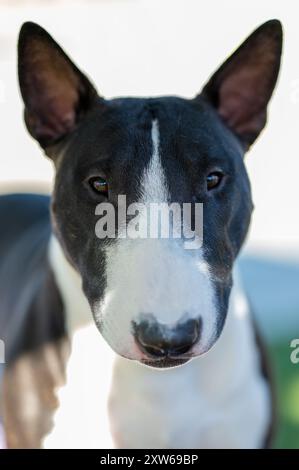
x=214, y=179
x=99, y=185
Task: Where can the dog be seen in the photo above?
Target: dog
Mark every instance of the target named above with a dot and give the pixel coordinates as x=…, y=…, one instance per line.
x=180, y=365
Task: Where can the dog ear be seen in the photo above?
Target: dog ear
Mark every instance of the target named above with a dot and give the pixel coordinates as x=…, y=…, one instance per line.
x=243, y=85
x=55, y=93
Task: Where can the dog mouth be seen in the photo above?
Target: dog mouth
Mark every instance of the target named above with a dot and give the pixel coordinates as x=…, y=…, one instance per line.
x=165, y=362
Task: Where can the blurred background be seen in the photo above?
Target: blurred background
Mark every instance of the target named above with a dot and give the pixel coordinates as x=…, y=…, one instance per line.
x=156, y=47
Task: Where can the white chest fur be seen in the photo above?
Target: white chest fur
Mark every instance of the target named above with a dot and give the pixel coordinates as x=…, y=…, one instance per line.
x=218, y=400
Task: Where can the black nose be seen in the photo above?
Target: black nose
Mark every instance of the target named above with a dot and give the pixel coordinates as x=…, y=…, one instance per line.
x=160, y=340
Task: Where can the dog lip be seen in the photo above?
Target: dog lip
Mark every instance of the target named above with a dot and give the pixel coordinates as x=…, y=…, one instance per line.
x=165, y=362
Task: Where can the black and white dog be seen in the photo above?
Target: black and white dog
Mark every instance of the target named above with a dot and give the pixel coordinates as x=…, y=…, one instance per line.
x=156, y=304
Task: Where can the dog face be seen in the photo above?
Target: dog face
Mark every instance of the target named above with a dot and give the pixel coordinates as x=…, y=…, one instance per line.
x=152, y=299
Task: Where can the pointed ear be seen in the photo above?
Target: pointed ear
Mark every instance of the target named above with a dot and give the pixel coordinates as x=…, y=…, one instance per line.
x=55, y=93
x=242, y=87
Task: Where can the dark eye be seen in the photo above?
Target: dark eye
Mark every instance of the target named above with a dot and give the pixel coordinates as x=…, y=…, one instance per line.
x=214, y=179
x=99, y=185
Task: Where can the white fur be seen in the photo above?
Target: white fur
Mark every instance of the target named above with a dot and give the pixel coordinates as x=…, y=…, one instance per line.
x=154, y=186
x=156, y=276
x=82, y=420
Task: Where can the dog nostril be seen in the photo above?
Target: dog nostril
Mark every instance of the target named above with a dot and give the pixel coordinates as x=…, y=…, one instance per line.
x=160, y=340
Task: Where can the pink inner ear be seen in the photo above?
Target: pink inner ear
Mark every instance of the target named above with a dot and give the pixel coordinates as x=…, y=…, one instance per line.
x=240, y=98
x=55, y=107
x=53, y=92
x=245, y=90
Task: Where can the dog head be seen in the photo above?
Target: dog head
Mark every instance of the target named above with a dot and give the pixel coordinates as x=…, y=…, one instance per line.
x=152, y=299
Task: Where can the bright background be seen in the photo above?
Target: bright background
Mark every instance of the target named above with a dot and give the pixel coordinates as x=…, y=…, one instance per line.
x=155, y=47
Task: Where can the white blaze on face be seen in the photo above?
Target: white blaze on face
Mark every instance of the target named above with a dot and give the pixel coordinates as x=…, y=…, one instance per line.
x=154, y=184
x=156, y=276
